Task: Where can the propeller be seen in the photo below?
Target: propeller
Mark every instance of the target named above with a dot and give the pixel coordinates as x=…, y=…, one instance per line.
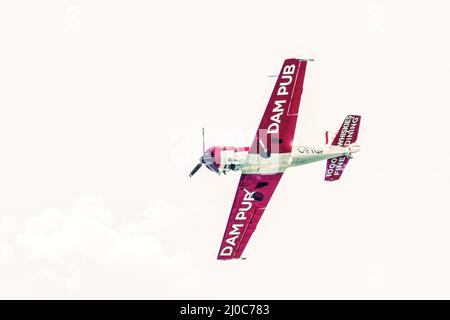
x=206, y=159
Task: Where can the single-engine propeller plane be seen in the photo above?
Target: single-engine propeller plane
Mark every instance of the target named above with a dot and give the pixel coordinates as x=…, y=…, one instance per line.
x=271, y=153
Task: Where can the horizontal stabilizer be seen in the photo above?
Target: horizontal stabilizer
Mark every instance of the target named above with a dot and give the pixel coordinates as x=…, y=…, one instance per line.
x=346, y=137
x=348, y=133
x=335, y=168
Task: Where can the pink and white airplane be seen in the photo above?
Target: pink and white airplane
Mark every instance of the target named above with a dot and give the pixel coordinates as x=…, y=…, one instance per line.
x=271, y=153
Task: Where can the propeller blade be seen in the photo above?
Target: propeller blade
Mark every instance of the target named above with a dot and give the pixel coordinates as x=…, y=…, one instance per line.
x=203, y=136
x=198, y=166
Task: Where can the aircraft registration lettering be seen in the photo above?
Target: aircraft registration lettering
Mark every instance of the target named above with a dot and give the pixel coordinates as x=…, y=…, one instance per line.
x=308, y=150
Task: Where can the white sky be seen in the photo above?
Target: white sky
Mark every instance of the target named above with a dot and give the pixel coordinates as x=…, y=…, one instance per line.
x=101, y=109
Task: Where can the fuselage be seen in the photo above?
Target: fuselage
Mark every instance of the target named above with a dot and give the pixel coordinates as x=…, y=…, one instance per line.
x=239, y=159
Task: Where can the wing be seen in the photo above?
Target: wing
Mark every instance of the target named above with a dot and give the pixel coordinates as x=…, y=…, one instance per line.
x=277, y=127
x=252, y=196
x=275, y=134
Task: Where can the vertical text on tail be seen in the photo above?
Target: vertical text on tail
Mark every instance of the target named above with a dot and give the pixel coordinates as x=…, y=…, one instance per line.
x=345, y=138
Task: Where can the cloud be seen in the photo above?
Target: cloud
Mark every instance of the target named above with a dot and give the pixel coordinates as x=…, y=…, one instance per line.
x=87, y=248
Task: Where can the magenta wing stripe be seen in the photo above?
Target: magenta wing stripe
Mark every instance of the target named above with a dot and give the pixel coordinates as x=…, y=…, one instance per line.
x=277, y=127
x=252, y=196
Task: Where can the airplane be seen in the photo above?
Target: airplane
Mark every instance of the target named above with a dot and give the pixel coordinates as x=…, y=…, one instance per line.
x=271, y=153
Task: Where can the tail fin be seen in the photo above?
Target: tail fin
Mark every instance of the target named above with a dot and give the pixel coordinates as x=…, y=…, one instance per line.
x=329, y=137
x=347, y=135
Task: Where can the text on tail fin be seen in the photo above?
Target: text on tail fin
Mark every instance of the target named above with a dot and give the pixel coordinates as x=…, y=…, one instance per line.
x=348, y=133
